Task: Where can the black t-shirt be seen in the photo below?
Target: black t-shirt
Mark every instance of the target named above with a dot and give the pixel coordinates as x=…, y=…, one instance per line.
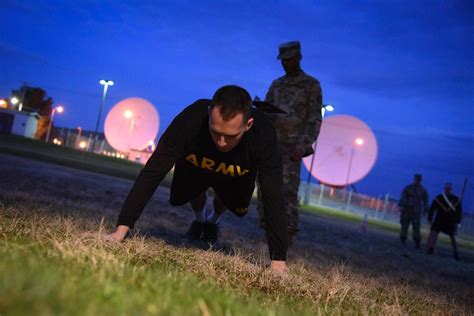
x=231, y=174
x=187, y=141
x=448, y=215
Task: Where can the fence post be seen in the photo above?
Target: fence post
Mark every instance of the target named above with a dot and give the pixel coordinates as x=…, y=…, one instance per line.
x=470, y=227
x=349, y=201
x=89, y=142
x=385, y=206
x=321, y=190
x=377, y=206
x=66, y=143
x=101, y=146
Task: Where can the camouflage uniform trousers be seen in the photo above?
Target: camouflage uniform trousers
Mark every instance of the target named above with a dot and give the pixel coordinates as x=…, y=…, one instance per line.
x=413, y=216
x=291, y=183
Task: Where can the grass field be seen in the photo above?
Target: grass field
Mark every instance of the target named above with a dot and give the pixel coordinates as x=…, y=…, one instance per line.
x=465, y=242
x=52, y=261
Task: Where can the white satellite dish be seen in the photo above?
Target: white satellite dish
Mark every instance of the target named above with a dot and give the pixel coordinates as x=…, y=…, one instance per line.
x=346, y=151
x=131, y=124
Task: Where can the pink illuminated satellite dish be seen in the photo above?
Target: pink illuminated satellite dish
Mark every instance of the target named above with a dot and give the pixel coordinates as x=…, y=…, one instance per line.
x=131, y=124
x=346, y=151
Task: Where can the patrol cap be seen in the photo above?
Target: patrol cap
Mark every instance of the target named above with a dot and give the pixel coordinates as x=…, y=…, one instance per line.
x=289, y=50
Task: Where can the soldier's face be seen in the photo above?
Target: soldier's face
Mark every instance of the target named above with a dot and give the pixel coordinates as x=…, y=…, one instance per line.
x=417, y=180
x=448, y=188
x=291, y=65
x=227, y=134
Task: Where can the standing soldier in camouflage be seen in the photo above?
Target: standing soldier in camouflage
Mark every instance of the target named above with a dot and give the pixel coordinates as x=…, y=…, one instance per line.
x=413, y=202
x=299, y=95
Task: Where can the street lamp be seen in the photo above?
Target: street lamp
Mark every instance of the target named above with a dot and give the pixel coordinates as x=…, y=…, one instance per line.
x=14, y=100
x=324, y=108
x=78, y=139
x=129, y=116
x=82, y=145
x=359, y=142
x=152, y=145
x=58, y=109
x=106, y=84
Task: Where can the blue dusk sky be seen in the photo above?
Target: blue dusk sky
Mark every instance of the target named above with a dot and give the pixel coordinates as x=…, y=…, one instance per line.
x=405, y=68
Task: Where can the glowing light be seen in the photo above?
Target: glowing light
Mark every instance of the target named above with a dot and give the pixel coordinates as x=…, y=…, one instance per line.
x=106, y=82
x=14, y=100
x=3, y=104
x=329, y=107
x=359, y=141
x=128, y=114
x=82, y=144
x=59, y=109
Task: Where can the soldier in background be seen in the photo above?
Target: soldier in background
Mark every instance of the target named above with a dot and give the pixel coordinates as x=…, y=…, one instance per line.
x=300, y=96
x=448, y=209
x=413, y=203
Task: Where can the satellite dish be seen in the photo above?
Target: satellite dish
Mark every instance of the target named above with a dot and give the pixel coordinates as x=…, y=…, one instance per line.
x=131, y=124
x=346, y=151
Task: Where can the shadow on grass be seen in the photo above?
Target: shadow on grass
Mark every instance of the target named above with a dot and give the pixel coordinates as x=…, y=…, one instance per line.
x=177, y=239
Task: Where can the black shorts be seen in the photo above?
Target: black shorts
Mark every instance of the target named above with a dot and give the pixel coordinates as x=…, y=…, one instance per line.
x=189, y=181
x=447, y=228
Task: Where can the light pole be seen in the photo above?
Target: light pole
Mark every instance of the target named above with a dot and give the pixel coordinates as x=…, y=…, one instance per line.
x=14, y=100
x=359, y=142
x=106, y=84
x=58, y=109
x=23, y=91
x=325, y=107
x=129, y=116
x=78, y=139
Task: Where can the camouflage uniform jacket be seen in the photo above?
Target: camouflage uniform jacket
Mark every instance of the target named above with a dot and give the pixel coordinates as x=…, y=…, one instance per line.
x=414, y=197
x=301, y=98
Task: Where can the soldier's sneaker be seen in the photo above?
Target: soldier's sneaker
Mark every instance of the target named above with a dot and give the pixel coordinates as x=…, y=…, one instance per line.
x=430, y=251
x=456, y=257
x=210, y=233
x=195, y=231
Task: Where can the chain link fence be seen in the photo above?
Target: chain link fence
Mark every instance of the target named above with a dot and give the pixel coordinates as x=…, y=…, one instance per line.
x=383, y=207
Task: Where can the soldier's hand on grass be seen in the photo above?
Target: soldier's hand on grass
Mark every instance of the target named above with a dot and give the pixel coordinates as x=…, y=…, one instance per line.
x=118, y=235
x=279, y=267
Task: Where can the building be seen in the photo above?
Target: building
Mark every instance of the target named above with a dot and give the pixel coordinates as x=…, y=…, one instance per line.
x=18, y=123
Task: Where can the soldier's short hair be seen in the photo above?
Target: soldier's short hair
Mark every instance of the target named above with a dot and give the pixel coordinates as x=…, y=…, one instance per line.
x=419, y=176
x=232, y=100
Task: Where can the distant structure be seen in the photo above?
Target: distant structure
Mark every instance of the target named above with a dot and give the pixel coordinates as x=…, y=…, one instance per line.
x=18, y=123
x=346, y=151
x=131, y=127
